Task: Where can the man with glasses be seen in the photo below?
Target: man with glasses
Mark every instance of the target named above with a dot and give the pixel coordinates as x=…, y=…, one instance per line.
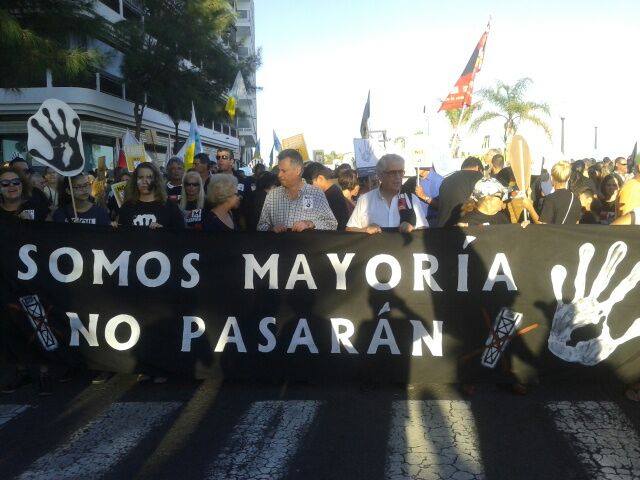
x=201, y=165
x=386, y=207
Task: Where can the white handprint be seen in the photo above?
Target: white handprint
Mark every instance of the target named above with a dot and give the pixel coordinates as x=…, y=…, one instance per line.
x=587, y=310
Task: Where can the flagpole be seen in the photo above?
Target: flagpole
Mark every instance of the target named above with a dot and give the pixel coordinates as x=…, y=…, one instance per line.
x=455, y=132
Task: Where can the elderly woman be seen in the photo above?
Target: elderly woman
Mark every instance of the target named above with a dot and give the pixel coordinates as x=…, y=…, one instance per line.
x=192, y=200
x=222, y=196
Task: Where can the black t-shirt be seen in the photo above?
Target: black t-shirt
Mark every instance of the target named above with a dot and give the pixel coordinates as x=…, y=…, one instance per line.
x=211, y=223
x=193, y=216
x=94, y=216
x=505, y=176
x=478, y=218
x=29, y=210
x=142, y=214
x=39, y=198
x=173, y=192
x=561, y=207
x=454, y=192
x=338, y=205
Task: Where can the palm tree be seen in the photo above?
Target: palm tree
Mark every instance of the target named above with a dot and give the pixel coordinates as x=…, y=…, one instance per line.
x=511, y=106
x=454, y=115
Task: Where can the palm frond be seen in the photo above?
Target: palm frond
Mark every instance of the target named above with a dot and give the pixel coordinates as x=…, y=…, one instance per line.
x=485, y=117
x=534, y=119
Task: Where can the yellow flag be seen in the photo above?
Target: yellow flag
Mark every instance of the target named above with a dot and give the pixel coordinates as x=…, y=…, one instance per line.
x=188, y=156
x=230, y=107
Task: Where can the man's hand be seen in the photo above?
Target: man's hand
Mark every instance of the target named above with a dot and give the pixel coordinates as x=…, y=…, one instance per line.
x=279, y=228
x=303, y=225
x=406, y=227
x=373, y=229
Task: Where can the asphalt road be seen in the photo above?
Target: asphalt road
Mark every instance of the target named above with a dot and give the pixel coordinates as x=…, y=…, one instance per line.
x=184, y=430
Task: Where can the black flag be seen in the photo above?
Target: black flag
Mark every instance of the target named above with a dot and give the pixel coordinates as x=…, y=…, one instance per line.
x=631, y=163
x=364, y=125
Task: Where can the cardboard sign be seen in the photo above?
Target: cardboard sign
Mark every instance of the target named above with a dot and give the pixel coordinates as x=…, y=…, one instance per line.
x=520, y=158
x=118, y=192
x=318, y=156
x=297, y=143
x=55, y=138
x=366, y=158
x=135, y=155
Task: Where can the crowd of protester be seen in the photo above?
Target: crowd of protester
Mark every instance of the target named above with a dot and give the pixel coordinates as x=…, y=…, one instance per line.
x=214, y=196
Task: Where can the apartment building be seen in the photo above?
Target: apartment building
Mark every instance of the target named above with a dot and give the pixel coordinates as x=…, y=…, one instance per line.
x=107, y=113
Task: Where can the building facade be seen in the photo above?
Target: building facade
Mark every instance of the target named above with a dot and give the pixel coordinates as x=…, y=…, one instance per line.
x=247, y=124
x=105, y=110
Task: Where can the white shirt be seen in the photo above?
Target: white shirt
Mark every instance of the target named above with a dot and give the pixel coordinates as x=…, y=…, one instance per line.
x=372, y=208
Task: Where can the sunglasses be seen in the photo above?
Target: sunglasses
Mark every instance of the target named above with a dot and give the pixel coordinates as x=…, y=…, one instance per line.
x=222, y=157
x=189, y=184
x=15, y=182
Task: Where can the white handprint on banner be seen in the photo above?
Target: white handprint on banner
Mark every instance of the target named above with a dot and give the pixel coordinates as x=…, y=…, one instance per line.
x=587, y=310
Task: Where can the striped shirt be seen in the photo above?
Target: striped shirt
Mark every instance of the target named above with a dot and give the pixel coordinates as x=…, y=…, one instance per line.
x=311, y=204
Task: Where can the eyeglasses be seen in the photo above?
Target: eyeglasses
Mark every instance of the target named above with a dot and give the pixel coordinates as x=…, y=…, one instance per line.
x=15, y=182
x=397, y=173
x=189, y=184
x=222, y=157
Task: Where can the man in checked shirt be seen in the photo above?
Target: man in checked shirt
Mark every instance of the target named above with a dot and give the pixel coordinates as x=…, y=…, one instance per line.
x=295, y=205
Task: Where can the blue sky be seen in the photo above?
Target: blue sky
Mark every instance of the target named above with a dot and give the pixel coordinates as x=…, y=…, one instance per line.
x=321, y=57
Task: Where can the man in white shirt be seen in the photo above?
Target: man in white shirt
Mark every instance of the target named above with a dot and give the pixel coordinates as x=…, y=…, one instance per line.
x=385, y=206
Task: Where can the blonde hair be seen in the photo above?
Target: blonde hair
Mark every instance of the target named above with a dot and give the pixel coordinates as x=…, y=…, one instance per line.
x=183, y=196
x=561, y=172
x=222, y=187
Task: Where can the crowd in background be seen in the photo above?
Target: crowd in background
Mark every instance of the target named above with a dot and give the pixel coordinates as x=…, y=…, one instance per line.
x=213, y=195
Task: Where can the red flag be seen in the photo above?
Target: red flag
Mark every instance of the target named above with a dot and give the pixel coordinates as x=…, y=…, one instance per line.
x=122, y=159
x=461, y=96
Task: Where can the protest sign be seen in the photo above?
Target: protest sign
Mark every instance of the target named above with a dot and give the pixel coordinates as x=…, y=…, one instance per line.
x=441, y=305
x=118, y=192
x=318, y=156
x=297, y=143
x=55, y=138
x=365, y=157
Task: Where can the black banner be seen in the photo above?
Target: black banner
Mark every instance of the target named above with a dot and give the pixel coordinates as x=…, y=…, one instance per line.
x=441, y=305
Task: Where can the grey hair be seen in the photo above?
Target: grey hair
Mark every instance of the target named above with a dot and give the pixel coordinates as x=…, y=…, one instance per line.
x=222, y=187
x=183, y=197
x=385, y=160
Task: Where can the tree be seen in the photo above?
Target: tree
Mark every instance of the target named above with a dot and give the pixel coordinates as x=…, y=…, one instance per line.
x=181, y=53
x=37, y=35
x=511, y=106
x=454, y=115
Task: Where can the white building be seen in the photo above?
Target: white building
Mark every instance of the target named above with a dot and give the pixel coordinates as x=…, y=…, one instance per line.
x=105, y=110
x=246, y=38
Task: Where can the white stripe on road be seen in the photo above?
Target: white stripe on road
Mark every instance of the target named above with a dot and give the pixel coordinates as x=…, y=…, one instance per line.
x=9, y=412
x=605, y=444
x=433, y=439
x=266, y=439
x=102, y=443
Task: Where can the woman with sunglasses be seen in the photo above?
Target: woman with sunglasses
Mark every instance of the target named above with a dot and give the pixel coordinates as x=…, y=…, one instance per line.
x=87, y=211
x=146, y=203
x=15, y=197
x=192, y=200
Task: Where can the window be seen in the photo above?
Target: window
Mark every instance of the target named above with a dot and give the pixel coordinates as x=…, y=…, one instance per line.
x=131, y=10
x=110, y=85
x=112, y=4
x=217, y=126
x=82, y=81
x=234, y=133
x=225, y=129
x=243, y=14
